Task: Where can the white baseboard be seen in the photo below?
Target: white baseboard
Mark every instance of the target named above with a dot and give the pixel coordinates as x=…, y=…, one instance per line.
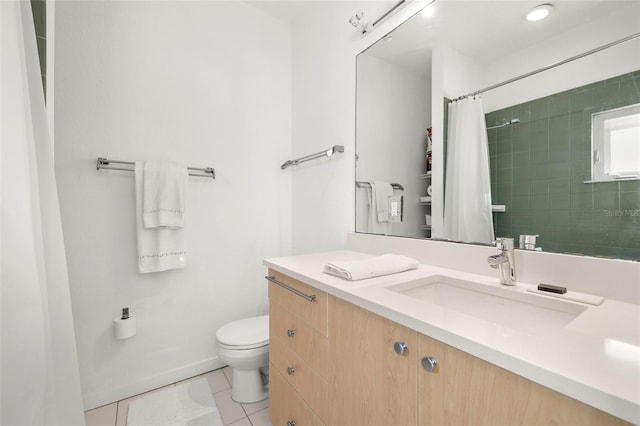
x=102, y=397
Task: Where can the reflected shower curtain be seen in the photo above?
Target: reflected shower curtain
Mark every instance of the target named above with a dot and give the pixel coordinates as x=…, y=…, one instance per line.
x=467, y=198
x=40, y=381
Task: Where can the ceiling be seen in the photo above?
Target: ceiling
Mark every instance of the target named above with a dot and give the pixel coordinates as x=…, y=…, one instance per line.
x=478, y=28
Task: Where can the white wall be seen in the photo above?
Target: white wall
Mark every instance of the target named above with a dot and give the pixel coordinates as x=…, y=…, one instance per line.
x=393, y=114
x=324, y=71
x=132, y=84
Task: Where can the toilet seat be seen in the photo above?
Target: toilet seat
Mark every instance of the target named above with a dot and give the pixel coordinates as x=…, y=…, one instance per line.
x=248, y=333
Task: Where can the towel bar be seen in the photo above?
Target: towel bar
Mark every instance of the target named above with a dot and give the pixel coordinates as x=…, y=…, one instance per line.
x=292, y=290
x=104, y=163
x=326, y=153
x=361, y=185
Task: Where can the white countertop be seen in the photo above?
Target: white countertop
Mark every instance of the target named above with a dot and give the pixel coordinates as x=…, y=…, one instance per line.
x=594, y=359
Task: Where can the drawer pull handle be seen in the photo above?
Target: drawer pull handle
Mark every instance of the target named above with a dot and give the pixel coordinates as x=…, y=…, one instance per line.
x=429, y=363
x=400, y=348
x=291, y=332
x=290, y=370
x=291, y=423
x=292, y=290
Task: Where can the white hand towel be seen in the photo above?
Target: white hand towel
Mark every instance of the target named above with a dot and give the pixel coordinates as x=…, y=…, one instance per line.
x=159, y=249
x=373, y=225
x=382, y=191
x=164, y=194
x=369, y=268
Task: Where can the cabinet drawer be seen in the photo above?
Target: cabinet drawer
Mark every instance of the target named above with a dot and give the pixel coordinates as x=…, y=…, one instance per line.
x=285, y=405
x=311, y=386
x=312, y=312
x=293, y=333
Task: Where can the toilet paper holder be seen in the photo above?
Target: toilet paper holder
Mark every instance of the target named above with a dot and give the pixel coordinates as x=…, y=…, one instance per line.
x=124, y=326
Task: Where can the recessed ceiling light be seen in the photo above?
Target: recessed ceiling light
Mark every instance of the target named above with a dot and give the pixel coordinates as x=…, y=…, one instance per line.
x=539, y=12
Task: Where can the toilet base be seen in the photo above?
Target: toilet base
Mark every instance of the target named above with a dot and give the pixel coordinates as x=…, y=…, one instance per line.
x=248, y=386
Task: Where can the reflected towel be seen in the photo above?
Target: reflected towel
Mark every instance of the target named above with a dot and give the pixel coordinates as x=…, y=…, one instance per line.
x=164, y=194
x=381, y=192
x=159, y=249
x=369, y=268
x=374, y=226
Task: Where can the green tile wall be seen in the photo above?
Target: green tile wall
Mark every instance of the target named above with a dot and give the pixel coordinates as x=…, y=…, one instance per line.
x=538, y=169
x=39, y=9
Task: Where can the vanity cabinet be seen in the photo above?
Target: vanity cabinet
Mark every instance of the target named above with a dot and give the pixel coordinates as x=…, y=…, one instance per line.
x=370, y=384
x=353, y=367
x=298, y=347
x=463, y=389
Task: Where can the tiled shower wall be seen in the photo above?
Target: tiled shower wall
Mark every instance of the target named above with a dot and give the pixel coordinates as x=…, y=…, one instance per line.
x=539, y=166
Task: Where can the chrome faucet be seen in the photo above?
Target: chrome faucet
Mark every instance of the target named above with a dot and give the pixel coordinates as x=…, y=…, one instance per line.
x=504, y=261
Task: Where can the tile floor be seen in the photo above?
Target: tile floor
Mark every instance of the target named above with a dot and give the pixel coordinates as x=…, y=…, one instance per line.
x=232, y=413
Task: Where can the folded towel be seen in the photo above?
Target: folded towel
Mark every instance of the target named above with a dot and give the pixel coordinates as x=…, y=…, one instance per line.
x=159, y=249
x=369, y=268
x=164, y=194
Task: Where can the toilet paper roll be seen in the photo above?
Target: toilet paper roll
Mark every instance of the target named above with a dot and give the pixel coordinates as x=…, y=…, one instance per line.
x=124, y=328
x=429, y=190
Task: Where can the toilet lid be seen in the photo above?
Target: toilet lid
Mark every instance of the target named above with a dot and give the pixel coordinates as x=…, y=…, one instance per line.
x=245, y=332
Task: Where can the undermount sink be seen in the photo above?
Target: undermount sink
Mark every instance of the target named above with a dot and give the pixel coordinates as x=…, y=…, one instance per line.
x=501, y=305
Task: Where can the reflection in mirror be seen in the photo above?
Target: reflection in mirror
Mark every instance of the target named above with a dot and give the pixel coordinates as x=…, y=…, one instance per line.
x=538, y=128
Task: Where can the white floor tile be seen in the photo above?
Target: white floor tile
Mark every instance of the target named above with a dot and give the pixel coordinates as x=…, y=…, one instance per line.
x=123, y=406
x=101, y=416
x=230, y=411
x=228, y=373
x=255, y=406
x=244, y=422
x=261, y=418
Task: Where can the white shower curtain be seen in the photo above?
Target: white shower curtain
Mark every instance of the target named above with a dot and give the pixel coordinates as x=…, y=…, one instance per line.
x=40, y=382
x=467, y=198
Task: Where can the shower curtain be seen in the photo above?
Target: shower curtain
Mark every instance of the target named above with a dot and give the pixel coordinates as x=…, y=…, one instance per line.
x=467, y=198
x=40, y=382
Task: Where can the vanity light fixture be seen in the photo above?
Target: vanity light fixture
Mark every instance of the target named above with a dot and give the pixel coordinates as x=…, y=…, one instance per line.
x=356, y=19
x=539, y=12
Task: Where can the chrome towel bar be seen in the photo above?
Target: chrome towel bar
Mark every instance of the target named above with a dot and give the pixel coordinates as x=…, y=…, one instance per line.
x=310, y=298
x=326, y=153
x=361, y=185
x=104, y=163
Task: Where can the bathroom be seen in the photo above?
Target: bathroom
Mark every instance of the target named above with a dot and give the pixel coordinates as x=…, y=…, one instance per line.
x=238, y=86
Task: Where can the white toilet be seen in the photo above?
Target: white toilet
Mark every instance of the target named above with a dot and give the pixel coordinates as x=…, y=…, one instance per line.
x=244, y=346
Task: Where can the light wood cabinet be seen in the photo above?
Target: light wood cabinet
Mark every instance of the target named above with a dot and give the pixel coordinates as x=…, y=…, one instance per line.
x=334, y=363
x=370, y=384
x=298, y=349
x=465, y=390
x=286, y=406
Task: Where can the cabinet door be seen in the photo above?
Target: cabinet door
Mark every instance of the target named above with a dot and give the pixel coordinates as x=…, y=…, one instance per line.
x=465, y=390
x=370, y=384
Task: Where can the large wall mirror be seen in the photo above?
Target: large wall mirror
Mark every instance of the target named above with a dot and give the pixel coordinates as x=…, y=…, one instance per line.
x=544, y=170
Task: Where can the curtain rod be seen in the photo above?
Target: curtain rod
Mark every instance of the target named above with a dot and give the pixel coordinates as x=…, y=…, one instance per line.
x=548, y=67
x=104, y=163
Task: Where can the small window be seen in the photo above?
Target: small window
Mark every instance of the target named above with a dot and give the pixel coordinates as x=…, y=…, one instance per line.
x=615, y=142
